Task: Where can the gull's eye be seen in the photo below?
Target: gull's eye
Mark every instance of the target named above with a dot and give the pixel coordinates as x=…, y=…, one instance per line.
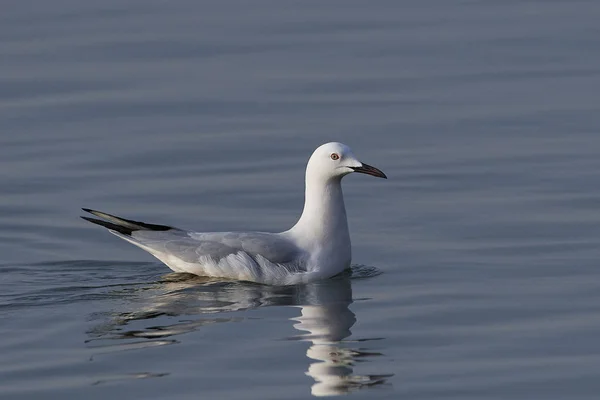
x=335, y=156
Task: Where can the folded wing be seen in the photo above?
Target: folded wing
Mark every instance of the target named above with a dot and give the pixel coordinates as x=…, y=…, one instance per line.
x=257, y=256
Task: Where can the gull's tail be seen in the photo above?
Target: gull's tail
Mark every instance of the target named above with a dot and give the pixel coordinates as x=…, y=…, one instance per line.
x=122, y=225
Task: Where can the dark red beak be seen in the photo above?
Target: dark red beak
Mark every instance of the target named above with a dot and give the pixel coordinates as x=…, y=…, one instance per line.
x=369, y=170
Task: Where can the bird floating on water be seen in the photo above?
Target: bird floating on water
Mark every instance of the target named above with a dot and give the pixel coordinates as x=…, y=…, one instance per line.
x=316, y=247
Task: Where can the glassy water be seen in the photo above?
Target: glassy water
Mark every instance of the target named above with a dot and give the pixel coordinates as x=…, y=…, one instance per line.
x=476, y=264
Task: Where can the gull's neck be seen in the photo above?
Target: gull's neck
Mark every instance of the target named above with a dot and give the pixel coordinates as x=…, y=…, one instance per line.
x=323, y=219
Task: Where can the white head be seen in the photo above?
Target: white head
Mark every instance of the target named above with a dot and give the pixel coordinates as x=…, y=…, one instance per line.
x=335, y=160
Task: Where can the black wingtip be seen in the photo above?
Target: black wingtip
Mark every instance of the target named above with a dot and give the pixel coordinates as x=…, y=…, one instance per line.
x=128, y=225
x=109, y=225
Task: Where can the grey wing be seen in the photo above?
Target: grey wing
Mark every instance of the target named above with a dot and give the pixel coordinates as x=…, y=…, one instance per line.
x=191, y=246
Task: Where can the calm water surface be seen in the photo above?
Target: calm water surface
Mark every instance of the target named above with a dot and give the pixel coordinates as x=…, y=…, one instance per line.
x=477, y=272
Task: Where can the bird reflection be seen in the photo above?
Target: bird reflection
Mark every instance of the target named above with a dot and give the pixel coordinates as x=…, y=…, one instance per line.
x=325, y=321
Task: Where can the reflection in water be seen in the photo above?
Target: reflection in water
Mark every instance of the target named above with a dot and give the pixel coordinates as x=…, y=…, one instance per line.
x=326, y=318
x=325, y=321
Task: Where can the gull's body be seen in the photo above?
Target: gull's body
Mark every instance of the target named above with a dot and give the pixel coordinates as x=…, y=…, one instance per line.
x=316, y=247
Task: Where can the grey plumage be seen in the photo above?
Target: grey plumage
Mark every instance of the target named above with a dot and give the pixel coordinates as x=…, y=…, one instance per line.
x=191, y=247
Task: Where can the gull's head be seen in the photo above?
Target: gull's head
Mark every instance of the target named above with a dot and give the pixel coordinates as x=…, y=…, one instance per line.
x=335, y=160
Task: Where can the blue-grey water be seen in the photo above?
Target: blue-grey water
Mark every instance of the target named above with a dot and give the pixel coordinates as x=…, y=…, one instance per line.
x=476, y=264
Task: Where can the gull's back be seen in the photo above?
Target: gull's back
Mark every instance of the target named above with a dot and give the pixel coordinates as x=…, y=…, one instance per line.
x=255, y=256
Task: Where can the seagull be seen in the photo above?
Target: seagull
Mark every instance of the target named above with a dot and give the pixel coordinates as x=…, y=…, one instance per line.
x=316, y=247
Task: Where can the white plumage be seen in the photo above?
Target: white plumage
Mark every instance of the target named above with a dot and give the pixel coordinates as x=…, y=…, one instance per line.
x=316, y=247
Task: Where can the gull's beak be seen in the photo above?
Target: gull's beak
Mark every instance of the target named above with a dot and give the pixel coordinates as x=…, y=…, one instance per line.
x=369, y=170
